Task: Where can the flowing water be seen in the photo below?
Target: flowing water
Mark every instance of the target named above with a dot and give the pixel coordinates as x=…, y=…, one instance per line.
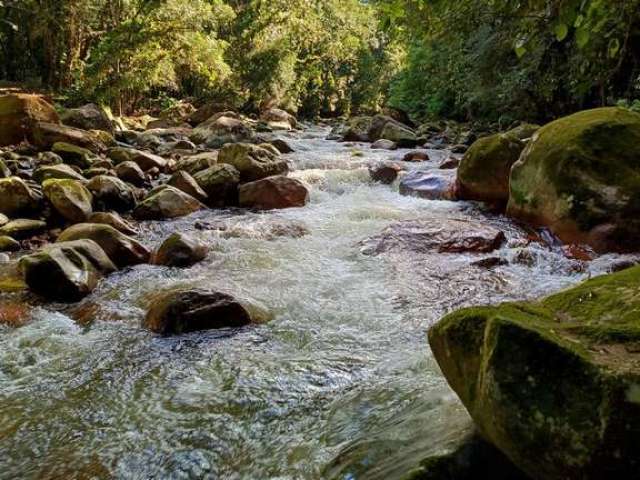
x=341, y=383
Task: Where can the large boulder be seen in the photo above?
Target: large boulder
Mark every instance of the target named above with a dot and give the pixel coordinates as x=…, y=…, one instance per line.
x=185, y=182
x=580, y=176
x=17, y=197
x=19, y=112
x=88, y=117
x=69, y=198
x=120, y=248
x=219, y=130
x=180, y=250
x=66, y=271
x=483, y=173
x=252, y=161
x=554, y=384
x=401, y=135
x=196, y=163
x=220, y=183
x=273, y=192
x=111, y=193
x=440, y=185
x=145, y=160
x=45, y=135
x=186, y=310
x=131, y=172
x=169, y=202
x=357, y=130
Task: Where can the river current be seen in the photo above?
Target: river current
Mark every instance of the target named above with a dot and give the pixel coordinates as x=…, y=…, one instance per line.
x=339, y=384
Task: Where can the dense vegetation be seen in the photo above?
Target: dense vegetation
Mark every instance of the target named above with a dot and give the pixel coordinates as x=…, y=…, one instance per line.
x=470, y=59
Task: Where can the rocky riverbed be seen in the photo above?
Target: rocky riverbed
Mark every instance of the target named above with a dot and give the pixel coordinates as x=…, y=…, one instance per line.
x=339, y=382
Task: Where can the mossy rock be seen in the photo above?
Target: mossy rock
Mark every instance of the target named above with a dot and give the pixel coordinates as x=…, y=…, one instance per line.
x=483, y=174
x=580, y=176
x=23, y=228
x=16, y=197
x=220, y=183
x=69, y=198
x=73, y=154
x=357, y=129
x=169, y=202
x=555, y=384
x=18, y=113
x=252, y=161
x=60, y=172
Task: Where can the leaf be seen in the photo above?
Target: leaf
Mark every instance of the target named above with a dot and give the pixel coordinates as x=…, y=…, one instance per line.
x=614, y=47
x=582, y=37
x=561, y=31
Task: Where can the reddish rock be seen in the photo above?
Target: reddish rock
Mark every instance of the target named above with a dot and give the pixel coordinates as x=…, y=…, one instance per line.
x=386, y=174
x=416, y=156
x=273, y=192
x=19, y=112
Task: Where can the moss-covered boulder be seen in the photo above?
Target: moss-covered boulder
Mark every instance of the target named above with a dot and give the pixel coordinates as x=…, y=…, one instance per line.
x=252, y=161
x=554, y=384
x=220, y=183
x=483, y=173
x=61, y=171
x=17, y=197
x=221, y=129
x=356, y=130
x=399, y=134
x=145, y=160
x=120, y=248
x=9, y=244
x=66, y=271
x=69, y=198
x=19, y=112
x=73, y=154
x=196, y=163
x=580, y=176
x=115, y=220
x=23, y=228
x=169, y=202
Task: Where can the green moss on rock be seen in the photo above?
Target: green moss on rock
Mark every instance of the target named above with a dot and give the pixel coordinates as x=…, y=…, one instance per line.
x=553, y=383
x=580, y=176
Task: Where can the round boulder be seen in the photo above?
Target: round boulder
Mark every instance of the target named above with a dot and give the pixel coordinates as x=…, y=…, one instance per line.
x=180, y=250
x=273, y=192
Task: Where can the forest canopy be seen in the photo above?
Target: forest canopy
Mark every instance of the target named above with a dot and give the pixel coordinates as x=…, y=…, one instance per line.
x=493, y=60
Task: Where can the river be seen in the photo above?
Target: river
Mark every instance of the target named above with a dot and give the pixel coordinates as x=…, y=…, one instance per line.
x=341, y=383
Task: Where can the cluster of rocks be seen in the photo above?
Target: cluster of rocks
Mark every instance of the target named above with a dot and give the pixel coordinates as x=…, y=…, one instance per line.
x=73, y=185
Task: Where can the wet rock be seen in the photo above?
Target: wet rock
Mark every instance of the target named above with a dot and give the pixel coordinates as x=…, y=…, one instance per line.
x=3, y=220
x=131, y=173
x=416, y=156
x=95, y=172
x=187, y=310
x=113, y=219
x=145, y=160
x=399, y=134
x=384, y=145
x=429, y=185
x=180, y=250
x=278, y=119
x=59, y=172
x=253, y=162
x=186, y=183
x=19, y=112
x=196, y=163
x=5, y=172
x=16, y=197
x=45, y=135
x=66, y=271
x=531, y=373
x=48, y=158
x=121, y=249
x=69, y=198
x=452, y=236
x=219, y=130
x=386, y=174
x=281, y=146
x=579, y=177
x=88, y=117
x=450, y=164
x=356, y=130
x=490, y=262
x=273, y=192
x=166, y=203
x=483, y=174
x=73, y=155
x=8, y=244
x=459, y=148
x=110, y=193
x=220, y=183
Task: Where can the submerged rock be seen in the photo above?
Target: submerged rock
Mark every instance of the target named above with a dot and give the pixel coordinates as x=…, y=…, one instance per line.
x=121, y=249
x=273, y=192
x=66, y=271
x=187, y=310
x=429, y=185
x=416, y=156
x=386, y=173
x=553, y=384
x=180, y=250
x=580, y=176
x=423, y=236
